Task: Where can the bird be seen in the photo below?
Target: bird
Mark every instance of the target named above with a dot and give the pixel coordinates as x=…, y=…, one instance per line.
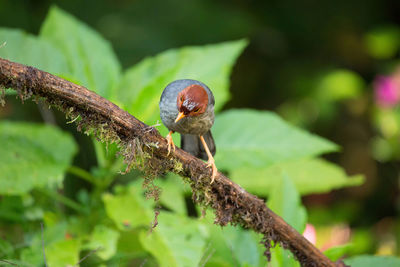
x=187, y=107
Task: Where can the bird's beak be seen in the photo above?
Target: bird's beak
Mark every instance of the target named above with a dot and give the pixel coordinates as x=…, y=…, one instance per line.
x=180, y=116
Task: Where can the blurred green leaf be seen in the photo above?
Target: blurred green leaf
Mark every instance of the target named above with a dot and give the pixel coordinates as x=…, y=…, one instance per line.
x=259, y=138
x=285, y=201
x=63, y=253
x=309, y=176
x=339, y=85
x=27, y=49
x=32, y=155
x=176, y=241
x=230, y=245
x=89, y=56
x=128, y=208
x=142, y=85
x=335, y=253
x=129, y=243
x=383, y=42
x=243, y=245
x=372, y=261
x=172, y=195
x=219, y=248
x=105, y=240
x=33, y=256
x=282, y=258
x=6, y=249
x=51, y=234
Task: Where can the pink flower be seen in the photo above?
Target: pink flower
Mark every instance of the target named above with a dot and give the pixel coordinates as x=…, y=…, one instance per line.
x=310, y=233
x=387, y=91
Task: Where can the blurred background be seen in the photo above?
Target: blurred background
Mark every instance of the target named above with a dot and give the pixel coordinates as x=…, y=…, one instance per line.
x=331, y=67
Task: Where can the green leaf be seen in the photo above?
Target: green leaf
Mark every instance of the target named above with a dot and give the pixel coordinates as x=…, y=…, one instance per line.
x=52, y=234
x=285, y=201
x=282, y=258
x=32, y=155
x=309, y=176
x=176, y=241
x=142, y=85
x=230, y=245
x=90, y=57
x=383, y=42
x=128, y=208
x=63, y=253
x=105, y=239
x=259, y=138
x=6, y=249
x=335, y=253
x=339, y=85
x=243, y=245
x=372, y=261
x=27, y=49
x=172, y=195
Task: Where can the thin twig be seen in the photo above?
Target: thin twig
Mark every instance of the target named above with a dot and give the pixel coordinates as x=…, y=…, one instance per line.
x=44, y=253
x=143, y=263
x=206, y=255
x=87, y=256
x=9, y=262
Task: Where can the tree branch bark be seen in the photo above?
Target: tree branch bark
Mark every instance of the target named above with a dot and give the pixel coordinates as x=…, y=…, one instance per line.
x=232, y=204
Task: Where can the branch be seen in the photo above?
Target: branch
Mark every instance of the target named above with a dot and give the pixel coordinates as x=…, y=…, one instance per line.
x=139, y=142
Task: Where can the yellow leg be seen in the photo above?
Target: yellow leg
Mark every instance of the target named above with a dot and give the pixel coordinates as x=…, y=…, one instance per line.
x=210, y=162
x=170, y=142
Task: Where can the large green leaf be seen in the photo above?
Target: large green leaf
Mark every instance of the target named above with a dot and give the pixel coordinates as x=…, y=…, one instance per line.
x=173, y=190
x=24, y=48
x=142, y=85
x=285, y=201
x=338, y=85
x=63, y=253
x=260, y=138
x=32, y=155
x=105, y=240
x=176, y=241
x=337, y=252
x=53, y=237
x=372, y=261
x=230, y=245
x=128, y=208
x=309, y=176
x=90, y=57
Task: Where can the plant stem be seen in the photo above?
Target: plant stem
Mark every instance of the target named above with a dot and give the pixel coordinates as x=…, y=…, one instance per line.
x=100, y=155
x=64, y=200
x=83, y=174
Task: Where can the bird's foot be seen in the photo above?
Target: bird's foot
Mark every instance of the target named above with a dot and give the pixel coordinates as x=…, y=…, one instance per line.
x=170, y=142
x=211, y=163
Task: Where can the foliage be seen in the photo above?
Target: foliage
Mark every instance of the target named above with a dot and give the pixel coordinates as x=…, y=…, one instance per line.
x=111, y=215
x=33, y=156
x=91, y=60
x=366, y=261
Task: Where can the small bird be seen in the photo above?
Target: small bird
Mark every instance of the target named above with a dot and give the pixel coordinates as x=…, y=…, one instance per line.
x=187, y=107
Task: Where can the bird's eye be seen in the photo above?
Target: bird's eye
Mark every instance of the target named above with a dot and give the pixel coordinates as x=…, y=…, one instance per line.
x=196, y=110
x=181, y=99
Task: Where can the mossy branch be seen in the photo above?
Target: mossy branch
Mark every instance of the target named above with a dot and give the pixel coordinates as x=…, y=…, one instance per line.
x=141, y=143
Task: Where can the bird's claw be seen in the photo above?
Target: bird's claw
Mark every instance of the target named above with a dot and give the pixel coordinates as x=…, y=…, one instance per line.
x=211, y=163
x=170, y=143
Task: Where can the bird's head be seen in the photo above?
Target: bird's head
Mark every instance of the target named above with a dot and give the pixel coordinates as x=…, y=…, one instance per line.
x=191, y=101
